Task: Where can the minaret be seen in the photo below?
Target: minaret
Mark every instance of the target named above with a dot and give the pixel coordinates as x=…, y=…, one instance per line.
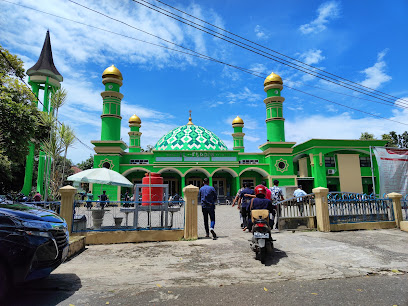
x=275, y=123
x=111, y=119
x=238, y=135
x=134, y=134
x=45, y=76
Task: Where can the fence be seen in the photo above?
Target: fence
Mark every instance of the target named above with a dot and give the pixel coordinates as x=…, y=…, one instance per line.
x=404, y=206
x=53, y=206
x=354, y=207
x=127, y=215
x=297, y=212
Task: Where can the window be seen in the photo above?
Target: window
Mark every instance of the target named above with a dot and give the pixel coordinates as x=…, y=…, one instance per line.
x=330, y=161
x=139, y=161
x=249, y=161
x=365, y=161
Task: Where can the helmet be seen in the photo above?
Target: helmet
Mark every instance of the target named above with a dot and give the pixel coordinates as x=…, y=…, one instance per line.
x=260, y=189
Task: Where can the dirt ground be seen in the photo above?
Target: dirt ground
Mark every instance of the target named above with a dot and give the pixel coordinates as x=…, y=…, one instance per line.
x=298, y=256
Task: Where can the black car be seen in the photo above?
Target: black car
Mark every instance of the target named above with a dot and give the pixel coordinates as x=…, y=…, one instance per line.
x=33, y=242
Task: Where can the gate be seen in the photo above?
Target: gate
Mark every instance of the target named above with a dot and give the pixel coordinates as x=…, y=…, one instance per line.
x=297, y=213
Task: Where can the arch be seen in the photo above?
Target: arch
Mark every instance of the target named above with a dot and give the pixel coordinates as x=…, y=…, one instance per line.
x=259, y=170
x=172, y=169
x=134, y=170
x=198, y=169
x=229, y=170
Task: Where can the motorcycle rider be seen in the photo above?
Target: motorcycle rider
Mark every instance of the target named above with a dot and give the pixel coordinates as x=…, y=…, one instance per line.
x=260, y=202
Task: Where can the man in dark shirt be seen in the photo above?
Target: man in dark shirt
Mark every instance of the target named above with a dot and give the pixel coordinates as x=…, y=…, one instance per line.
x=208, y=196
x=104, y=199
x=245, y=201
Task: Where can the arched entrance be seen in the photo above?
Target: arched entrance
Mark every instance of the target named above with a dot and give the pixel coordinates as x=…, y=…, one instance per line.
x=173, y=178
x=253, y=176
x=195, y=176
x=224, y=182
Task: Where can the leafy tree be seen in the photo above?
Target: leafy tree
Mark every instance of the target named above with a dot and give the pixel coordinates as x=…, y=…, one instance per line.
x=19, y=118
x=86, y=164
x=67, y=138
x=396, y=140
x=367, y=136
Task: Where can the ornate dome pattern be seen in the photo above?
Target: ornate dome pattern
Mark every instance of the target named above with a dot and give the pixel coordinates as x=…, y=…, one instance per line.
x=190, y=137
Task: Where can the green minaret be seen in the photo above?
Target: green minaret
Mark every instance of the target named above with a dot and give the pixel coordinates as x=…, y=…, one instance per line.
x=275, y=123
x=111, y=119
x=134, y=134
x=238, y=135
x=42, y=76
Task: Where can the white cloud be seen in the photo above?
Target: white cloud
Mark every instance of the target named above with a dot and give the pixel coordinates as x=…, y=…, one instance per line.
x=342, y=126
x=326, y=11
x=259, y=32
x=376, y=75
x=258, y=68
x=312, y=56
x=244, y=96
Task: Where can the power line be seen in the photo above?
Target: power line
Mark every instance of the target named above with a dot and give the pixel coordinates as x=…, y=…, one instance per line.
x=243, y=38
x=199, y=55
x=29, y=88
x=285, y=62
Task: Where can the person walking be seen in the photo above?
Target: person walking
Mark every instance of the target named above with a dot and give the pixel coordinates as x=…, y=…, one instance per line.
x=245, y=201
x=103, y=199
x=276, y=196
x=236, y=201
x=90, y=199
x=208, y=196
x=298, y=194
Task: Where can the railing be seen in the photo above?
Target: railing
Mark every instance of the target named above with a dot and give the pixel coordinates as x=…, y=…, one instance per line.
x=297, y=207
x=127, y=215
x=53, y=206
x=404, y=206
x=345, y=207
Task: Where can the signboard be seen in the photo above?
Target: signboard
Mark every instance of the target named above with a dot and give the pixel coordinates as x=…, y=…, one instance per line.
x=197, y=157
x=393, y=169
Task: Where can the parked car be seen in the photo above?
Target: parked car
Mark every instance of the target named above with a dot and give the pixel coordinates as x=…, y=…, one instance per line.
x=33, y=242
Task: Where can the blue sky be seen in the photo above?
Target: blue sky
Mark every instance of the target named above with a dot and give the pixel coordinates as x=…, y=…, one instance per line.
x=363, y=41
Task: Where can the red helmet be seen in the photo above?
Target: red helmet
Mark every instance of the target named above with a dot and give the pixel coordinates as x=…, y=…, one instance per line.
x=260, y=189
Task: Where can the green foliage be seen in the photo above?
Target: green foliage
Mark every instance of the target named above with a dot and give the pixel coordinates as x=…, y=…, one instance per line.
x=367, y=136
x=149, y=148
x=19, y=118
x=396, y=140
x=86, y=164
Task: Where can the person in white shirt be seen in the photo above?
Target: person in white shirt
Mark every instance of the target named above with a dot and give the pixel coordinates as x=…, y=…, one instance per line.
x=299, y=193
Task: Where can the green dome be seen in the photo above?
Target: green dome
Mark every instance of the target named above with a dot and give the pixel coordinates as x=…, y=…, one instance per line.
x=190, y=137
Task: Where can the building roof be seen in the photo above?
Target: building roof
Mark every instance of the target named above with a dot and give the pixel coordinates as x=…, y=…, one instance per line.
x=190, y=137
x=45, y=64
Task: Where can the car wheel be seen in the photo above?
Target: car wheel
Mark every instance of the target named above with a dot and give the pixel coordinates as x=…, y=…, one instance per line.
x=4, y=282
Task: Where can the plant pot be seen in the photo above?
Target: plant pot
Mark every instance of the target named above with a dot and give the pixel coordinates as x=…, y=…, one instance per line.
x=118, y=221
x=97, y=218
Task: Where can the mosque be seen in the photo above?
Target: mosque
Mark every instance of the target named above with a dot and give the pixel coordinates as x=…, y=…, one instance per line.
x=189, y=153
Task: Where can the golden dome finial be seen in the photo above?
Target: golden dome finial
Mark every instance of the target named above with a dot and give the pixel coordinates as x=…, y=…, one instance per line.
x=189, y=119
x=135, y=119
x=112, y=72
x=237, y=120
x=273, y=78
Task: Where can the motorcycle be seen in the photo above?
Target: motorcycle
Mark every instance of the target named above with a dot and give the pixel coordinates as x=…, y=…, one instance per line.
x=262, y=242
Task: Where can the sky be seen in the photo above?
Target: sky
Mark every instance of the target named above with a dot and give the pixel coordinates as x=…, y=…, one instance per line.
x=362, y=41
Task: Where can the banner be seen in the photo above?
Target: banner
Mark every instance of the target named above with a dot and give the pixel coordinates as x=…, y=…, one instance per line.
x=393, y=169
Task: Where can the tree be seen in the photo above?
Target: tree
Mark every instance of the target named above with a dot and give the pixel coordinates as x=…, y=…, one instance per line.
x=86, y=164
x=396, y=140
x=67, y=138
x=367, y=136
x=19, y=118
x=149, y=148
x=58, y=99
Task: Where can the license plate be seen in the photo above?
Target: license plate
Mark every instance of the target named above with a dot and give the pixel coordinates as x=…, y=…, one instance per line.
x=261, y=235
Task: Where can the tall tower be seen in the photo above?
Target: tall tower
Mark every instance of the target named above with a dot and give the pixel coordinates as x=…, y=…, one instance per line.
x=238, y=135
x=42, y=76
x=275, y=123
x=134, y=134
x=111, y=119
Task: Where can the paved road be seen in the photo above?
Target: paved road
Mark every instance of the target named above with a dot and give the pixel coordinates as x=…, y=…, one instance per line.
x=209, y=270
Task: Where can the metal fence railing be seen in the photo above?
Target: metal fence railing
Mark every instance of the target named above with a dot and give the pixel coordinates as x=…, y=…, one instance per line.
x=404, y=206
x=347, y=207
x=297, y=207
x=53, y=206
x=126, y=215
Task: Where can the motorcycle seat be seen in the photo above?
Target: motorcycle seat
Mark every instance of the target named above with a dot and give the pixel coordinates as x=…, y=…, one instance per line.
x=259, y=214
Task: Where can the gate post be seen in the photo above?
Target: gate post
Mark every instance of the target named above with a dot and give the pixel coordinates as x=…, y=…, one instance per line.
x=396, y=203
x=190, y=212
x=67, y=205
x=322, y=209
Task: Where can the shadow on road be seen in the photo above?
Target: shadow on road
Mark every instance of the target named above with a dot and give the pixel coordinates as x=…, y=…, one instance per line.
x=48, y=291
x=274, y=257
